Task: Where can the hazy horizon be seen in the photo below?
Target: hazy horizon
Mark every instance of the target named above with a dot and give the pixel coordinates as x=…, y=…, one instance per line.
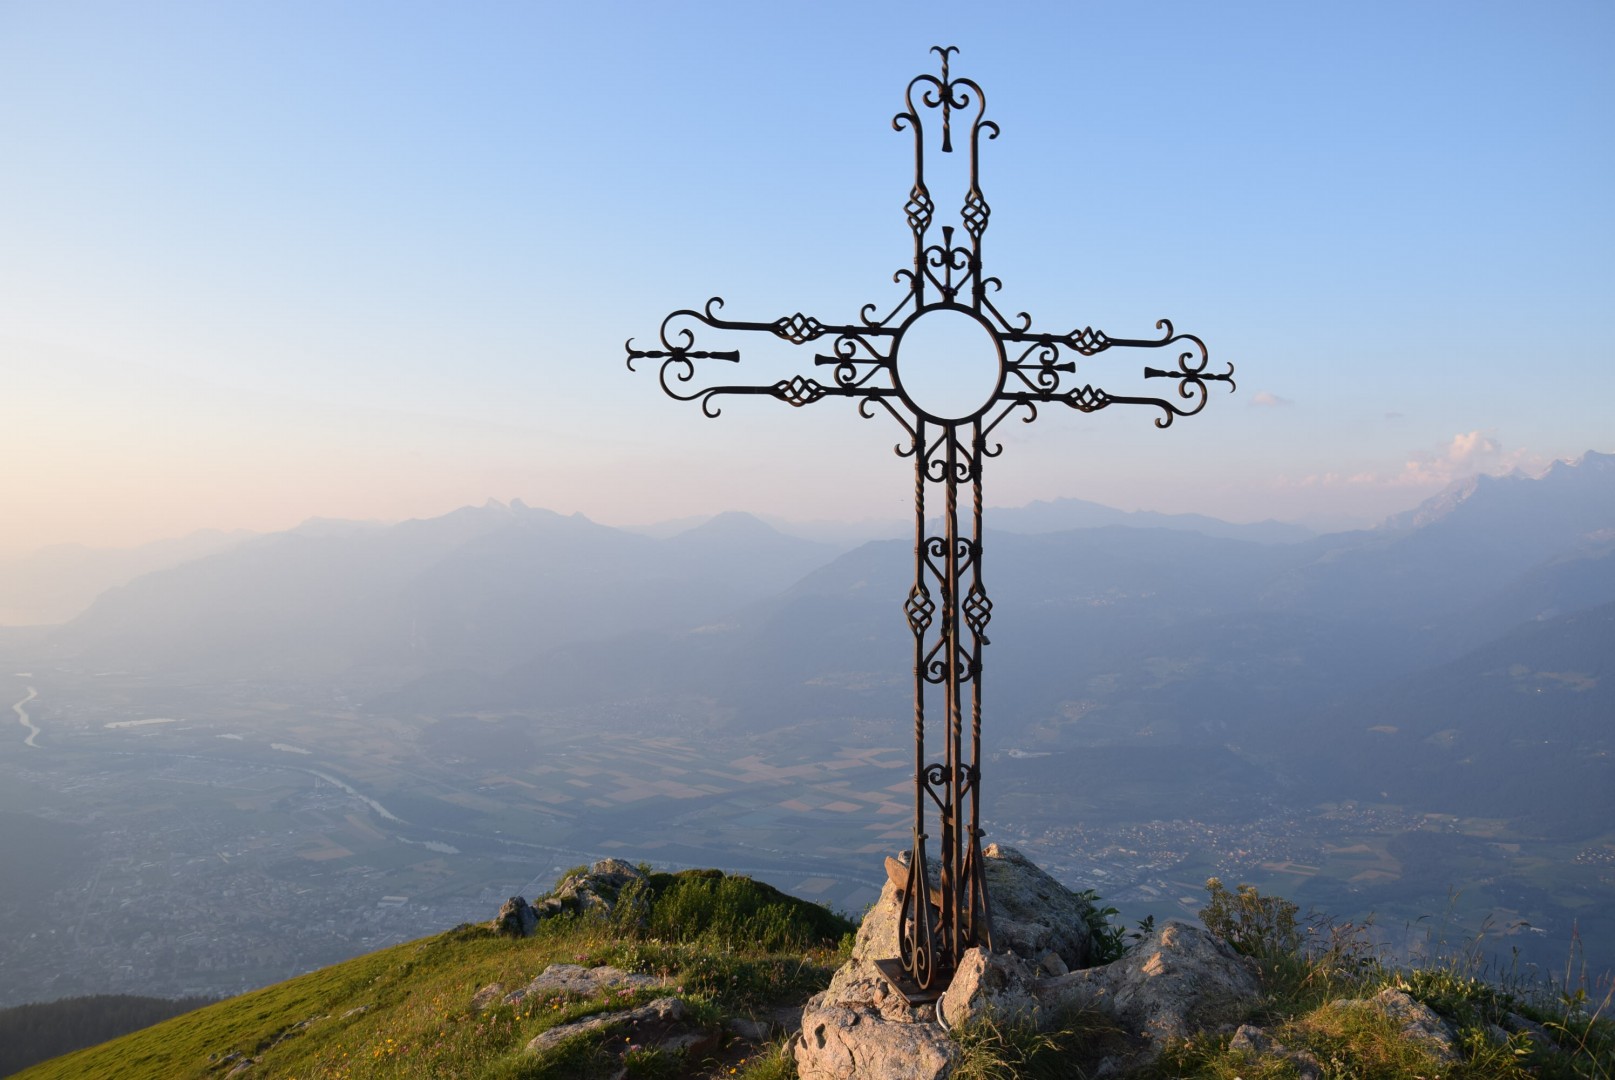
x=900, y=520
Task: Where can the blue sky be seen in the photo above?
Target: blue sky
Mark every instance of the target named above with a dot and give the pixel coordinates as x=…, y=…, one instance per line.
x=265, y=261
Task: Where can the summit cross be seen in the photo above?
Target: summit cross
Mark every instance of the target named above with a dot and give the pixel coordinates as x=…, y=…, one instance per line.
x=949, y=368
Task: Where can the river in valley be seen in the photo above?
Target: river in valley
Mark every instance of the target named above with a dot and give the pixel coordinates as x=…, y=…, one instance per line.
x=22, y=718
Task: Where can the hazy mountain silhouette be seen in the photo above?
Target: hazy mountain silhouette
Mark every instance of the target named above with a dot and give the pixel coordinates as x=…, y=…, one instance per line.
x=54, y=584
x=479, y=588
x=1063, y=515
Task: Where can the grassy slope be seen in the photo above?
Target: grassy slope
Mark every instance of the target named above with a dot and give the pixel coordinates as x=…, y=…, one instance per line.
x=406, y=1011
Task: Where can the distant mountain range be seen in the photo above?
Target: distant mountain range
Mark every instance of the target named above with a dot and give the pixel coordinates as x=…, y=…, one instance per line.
x=1380, y=650
x=1062, y=515
x=481, y=588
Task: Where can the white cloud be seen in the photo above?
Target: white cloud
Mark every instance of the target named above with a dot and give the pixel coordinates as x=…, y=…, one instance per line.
x=1269, y=401
x=1465, y=454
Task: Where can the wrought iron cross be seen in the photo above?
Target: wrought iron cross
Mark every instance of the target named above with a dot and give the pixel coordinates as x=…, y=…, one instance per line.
x=996, y=367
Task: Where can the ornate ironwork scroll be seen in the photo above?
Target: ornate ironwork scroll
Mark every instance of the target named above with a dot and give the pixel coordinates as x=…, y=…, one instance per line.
x=882, y=362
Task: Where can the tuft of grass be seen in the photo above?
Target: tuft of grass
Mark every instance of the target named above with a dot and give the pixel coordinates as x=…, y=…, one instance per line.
x=772, y=1062
x=1070, y=1048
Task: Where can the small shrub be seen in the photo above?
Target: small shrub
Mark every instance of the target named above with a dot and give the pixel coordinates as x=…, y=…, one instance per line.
x=1255, y=925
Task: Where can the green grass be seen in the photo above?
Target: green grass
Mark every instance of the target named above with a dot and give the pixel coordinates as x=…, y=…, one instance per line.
x=406, y=1011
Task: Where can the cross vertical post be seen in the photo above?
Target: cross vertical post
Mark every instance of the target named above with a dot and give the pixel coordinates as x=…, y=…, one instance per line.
x=995, y=367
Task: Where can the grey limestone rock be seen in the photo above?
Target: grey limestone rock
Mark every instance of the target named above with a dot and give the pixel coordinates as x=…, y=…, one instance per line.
x=1539, y=1036
x=1033, y=914
x=577, y=981
x=1178, y=977
x=745, y=1027
x=853, y=1042
x=663, y=1024
x=487, y=996
x=1258, y=1044
x=597, y=888
x=996, y=984
x=516, y=918
x=1419, y=1023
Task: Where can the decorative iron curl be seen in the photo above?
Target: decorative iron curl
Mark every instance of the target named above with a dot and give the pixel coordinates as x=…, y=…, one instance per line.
x=964, y=664
x=952, y=257
x=886, y=321
x=936, y=669
x=995, y=449
x=916, y=935
x=913, y=435
x=845, y=364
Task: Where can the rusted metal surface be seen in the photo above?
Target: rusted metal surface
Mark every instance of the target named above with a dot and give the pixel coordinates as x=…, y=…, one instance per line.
x=947, y=431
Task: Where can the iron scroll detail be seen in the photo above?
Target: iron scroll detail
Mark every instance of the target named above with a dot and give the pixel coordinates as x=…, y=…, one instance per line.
x=948, y=607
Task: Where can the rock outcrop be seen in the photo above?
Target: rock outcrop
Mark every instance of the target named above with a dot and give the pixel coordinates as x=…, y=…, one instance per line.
x=516, y=917
x=593, y=890
x=1177, y=979
x=860, y=1027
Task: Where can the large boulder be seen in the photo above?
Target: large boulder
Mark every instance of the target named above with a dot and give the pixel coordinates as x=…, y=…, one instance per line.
x=1000, y=985
x=861, y=1027
x=1177, y=979
x=854, y=1042
x=595, y=889
x=1033, y=914
x=1167, y=986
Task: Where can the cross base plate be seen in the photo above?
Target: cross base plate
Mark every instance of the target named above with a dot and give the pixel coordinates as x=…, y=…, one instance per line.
x=894, y=974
